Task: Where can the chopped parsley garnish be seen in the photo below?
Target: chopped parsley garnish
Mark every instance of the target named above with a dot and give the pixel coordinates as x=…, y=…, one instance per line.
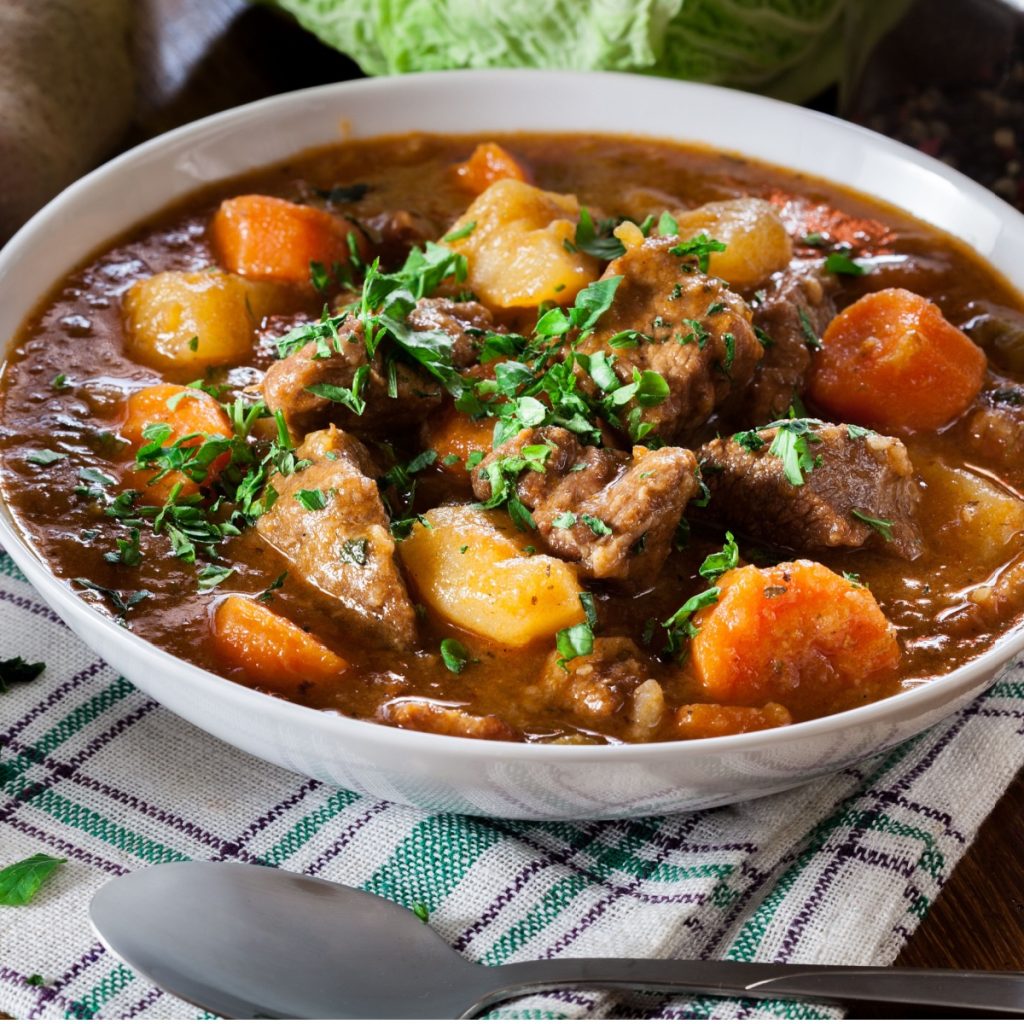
x=815, y=239
x=564, y=521
x=721, y=561
x=591, y=304
x=502, y=475
x=355, y=551
x=44, y=457
x=35, y=980
x=667, y=224
x=421, y=911
x=20, y=882
x=312, y=500
x=597, y=526
x=589, y=608
x=127, y=552
x=841, y=263
x=750, y=439
x=122, y=601
x=854, y=578
x=811, y=339
x=318, y=276
x=628, y=339
x=883, y=527
x=17, y=670
x=792, y=442
x=348, y=397
x=211, y=576
x=193, y=343
x=268, y=595
x=699, y=250
x=454, y=655
x=60, y=382
x=698, y=333
x=574, y=642
x=464, y=232
x=767, y=341
x=597, y=240
x=678, y=625
x=855, y=432
x=729, y=342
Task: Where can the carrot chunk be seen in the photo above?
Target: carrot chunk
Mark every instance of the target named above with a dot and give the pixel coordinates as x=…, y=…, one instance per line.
x=796, y=633
x=270, y=650
x=455, y=436
x=273, y=239
x=487, y=164
x=892, y=361
x=186, y=411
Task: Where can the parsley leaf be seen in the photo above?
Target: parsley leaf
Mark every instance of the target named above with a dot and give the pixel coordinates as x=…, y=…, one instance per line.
x=464, y=232
x=721, y=561
x=44, y=457
x=312, y=500
x=574, y=642
x=355, y=551
x=880, y=526
x=454, y=655
x=597, y=241
x=679, y=626
x=792, y=445
x=597, y=526
x=348, y=397
x=21, y=881
x=17, y=670
x=268, y=595
x=211, y=576
x=667, y=224
x=841, y=263
x=700, y=249
x=564, y=521
x=811, y=339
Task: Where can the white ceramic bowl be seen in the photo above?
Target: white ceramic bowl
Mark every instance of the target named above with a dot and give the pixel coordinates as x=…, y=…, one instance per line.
x=479, y=776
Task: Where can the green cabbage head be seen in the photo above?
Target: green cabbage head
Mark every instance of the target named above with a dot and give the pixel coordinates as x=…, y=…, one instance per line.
x=785, y=48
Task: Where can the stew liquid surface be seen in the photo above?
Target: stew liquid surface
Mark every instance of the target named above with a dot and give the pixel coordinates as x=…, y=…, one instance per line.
x=784, y=482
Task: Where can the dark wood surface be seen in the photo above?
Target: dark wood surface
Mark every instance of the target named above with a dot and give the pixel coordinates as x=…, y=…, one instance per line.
x=199, y=56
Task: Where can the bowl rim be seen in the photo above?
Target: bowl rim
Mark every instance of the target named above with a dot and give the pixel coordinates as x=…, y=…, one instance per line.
x=59, y=593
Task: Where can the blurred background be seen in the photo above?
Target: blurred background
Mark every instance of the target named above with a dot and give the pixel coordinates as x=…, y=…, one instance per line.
x=945, y=76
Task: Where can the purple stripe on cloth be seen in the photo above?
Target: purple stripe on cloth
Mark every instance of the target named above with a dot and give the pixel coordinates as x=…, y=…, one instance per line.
x=824, y=881
x=144, y=1003
x=52, y=698
x=503, y=898
x=266, y=819
x=28, y=605
x=64, y=846
x=926, y=811
x=346, y=837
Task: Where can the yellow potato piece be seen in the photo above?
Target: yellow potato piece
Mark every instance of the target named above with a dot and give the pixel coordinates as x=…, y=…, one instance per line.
x=516, y=254
x=164, y=313
x=977, y=518
x=471, y=567
x=755, y=238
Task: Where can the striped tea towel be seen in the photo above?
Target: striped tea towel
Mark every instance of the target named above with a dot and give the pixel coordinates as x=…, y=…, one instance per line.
x=840, y=871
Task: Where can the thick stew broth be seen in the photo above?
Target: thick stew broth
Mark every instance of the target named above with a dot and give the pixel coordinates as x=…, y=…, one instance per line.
x=922, y=558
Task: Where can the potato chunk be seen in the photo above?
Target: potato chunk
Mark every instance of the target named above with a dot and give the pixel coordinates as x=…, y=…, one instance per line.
x=188, y=321
x=471, y=567
x=516, y=252
x=978, y=518
x=755, y=238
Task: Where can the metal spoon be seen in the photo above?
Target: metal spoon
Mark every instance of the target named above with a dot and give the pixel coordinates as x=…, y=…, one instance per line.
x=246, y=942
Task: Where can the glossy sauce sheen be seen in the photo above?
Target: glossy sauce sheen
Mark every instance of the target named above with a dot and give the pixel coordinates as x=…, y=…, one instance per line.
x=78, y=332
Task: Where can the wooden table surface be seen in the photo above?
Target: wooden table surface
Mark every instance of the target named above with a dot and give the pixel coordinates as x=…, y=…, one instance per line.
x=199, y=56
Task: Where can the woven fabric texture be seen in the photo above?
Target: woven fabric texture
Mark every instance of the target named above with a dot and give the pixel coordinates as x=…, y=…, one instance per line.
x=840, y=871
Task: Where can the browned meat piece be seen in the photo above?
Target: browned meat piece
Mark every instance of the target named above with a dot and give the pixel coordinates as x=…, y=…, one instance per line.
x=613, y=682
x=343, y=549
x=287, y=382
x=431, y=716
x=797, y=303
x=463, y=322
x=612, y=513
x=995, y=428
x=870, y=474
x=700, y=336
x=395, y=232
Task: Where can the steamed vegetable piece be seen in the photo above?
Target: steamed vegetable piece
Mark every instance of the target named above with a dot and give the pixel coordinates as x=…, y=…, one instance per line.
x=796, y=633
x=755, y=239
x=271, y=650
x=272, y=239
x=892, y=361
x=66, y=96
x=187, y=412
x=487, y=164
x=520, y=250
x=188, y=321
x=471, y=567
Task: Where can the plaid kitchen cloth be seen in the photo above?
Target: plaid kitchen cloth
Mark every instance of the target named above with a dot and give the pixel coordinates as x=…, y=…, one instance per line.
x=838, y=871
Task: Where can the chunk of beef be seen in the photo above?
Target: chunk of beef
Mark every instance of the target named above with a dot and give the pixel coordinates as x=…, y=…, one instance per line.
x=796, y=309
x=395, y=233
x=697, y=335
x=613, y=513
x=287, y=383
x=344, y=550
x=869, y=474
x=463, y=322
x=994, y=429
x=446, y=719
x=613, y=685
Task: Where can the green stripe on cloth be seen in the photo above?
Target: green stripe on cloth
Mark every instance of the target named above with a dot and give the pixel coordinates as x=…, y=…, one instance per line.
x=8, y=568
x=308, y=827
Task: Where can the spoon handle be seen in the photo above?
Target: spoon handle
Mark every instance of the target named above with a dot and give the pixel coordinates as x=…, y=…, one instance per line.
x=968, y=990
